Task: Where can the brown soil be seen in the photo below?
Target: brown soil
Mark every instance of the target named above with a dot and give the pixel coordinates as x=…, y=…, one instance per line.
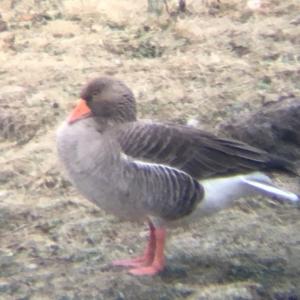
x=218, y=61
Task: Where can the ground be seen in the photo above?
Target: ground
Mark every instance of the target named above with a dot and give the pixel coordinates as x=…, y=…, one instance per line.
x=218, y=61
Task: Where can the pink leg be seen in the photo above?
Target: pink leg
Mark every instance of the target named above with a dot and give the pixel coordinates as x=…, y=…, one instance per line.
x=147, y=257
x=158, y=262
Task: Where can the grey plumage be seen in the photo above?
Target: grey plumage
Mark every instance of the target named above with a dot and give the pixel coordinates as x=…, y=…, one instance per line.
x=196, y=152
x=135, y=168
x=130, y=189
x=149, y=171
x=176, y=193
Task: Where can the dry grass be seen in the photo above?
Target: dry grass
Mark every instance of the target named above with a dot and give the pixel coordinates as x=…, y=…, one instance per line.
x=219, y=61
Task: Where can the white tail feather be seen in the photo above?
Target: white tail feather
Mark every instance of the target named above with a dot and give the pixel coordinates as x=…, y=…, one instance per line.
x=272, y=191
x=221, y=193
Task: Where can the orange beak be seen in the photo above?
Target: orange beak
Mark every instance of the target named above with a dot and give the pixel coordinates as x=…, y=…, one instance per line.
x=79, y=112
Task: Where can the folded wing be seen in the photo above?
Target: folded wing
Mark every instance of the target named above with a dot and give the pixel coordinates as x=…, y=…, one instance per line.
x=198, y=153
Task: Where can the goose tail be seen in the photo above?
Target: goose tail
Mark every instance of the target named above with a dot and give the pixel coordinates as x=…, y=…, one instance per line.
x=222, y=192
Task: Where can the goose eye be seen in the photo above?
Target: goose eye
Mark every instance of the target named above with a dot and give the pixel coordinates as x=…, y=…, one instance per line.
x=94, y=94
x=91, y=96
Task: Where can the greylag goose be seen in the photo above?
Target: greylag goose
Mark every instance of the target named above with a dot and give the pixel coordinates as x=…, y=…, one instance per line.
x=149, y=172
